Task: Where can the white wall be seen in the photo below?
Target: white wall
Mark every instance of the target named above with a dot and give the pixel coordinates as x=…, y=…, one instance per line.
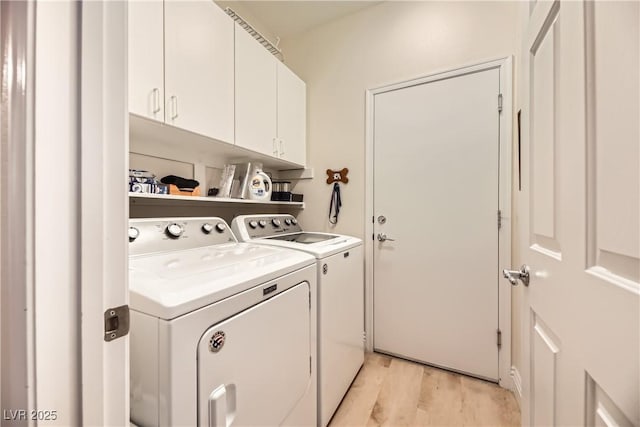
x=383, y=44
x=386, y=43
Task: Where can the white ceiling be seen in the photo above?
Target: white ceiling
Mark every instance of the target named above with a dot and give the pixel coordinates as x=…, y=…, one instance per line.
x=288, y=18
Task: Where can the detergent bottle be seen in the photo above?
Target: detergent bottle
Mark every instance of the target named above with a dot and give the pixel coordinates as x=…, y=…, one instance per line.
x=260, y=186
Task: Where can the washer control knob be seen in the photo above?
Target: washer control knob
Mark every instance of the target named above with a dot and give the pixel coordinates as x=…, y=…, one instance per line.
x=294, y=221
x=207, y=228
x=275, y=222
x=253, y=223
x=262, y=223
x=133, y=233
x=287, y=221
x=174, y=230
x=221, y=227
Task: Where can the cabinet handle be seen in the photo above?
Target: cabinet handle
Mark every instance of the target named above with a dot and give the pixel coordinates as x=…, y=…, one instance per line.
x=275, y=147
x=156, y=100
x=174, y=107
x=281, y=147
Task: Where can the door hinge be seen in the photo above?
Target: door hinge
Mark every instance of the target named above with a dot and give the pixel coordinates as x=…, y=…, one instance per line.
x=499, y=219
x=500, y=103
x=364, y=336
x=116, y=322
x=310, y=364
x=499, y=338
x=373, y=236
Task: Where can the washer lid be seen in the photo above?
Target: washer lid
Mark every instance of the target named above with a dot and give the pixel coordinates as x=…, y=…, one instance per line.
x=170, y=284
x=305, y=238
x=320, y=245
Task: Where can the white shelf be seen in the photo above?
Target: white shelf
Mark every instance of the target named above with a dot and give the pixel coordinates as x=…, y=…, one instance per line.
x=165, y=199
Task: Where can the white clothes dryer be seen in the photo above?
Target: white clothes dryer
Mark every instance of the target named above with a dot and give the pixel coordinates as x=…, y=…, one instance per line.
x=222, y=333
x=340, y=261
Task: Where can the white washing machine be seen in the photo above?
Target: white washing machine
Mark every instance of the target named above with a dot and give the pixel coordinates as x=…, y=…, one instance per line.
x=222, y=333
x=340, y=298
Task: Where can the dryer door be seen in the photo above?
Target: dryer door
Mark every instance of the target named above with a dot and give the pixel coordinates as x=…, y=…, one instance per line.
x=254, y=367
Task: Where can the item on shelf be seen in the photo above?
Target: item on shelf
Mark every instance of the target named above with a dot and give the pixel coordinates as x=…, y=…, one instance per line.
x=297, y=197
x=281, y=186
x=213, y=192
x=281, y=196
x=242, y=179
x=226, y=180
x=141, y=181
x=260, y=186
x=244, y=171
x=175, y=191
x=139, y=173
x=184, y=184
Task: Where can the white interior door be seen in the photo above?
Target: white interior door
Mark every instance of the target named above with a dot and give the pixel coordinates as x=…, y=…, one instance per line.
x=579, y=212
x=436, y=183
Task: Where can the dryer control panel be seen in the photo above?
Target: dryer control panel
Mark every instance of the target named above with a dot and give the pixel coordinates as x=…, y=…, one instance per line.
x=155, y=235
x=257, y=226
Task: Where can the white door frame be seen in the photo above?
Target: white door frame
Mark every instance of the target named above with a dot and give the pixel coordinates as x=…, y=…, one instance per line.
x=64, y=210
x=504, y=257
x=105, y=213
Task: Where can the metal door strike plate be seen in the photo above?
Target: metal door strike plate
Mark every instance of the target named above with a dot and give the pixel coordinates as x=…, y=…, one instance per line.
x=116, y=322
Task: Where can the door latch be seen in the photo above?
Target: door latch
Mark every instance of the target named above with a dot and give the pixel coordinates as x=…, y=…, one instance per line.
x=514, y=275
x=116, y=322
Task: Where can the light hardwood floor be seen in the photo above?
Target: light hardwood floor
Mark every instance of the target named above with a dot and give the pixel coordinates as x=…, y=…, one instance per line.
x=394, y=392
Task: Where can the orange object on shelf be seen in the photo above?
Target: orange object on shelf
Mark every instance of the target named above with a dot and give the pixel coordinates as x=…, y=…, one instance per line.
x=177, y=192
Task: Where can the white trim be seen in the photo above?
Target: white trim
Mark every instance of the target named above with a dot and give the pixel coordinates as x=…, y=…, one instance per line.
x=505, y=66
x=506, y=183
x=104, y=207
x=517, y=383
x=368, y=221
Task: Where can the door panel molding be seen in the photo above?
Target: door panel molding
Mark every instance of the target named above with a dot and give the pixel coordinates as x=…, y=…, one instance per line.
x=543, y=72
x=545, y=348
x=505, y=66
x=612, y=132
x=601, y=410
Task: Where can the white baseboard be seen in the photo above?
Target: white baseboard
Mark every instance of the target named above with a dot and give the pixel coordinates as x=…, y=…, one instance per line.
x=517, y=383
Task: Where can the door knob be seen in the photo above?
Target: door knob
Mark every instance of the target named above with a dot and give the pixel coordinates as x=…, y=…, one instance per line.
x=513, y=275
x=383, y=238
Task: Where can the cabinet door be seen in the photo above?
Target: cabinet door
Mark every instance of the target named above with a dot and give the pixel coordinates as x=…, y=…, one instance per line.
x=292, y=116
x=146, y=59
x=255, y=95
x=199, y=68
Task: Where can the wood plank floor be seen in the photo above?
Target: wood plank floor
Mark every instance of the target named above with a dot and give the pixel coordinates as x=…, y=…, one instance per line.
x=394, y=392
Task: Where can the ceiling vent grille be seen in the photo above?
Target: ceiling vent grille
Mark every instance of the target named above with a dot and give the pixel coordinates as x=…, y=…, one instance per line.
x=255, y=34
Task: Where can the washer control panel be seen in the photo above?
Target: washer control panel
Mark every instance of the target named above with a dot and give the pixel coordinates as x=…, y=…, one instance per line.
x=155, y=235
x=269, y=225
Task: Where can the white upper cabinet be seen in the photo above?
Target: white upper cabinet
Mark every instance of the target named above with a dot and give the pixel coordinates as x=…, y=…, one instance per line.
x=270, y=103
x=292, y=116
x=199, y=74
x=192, y=67
x=255, y=95
x=146, y=59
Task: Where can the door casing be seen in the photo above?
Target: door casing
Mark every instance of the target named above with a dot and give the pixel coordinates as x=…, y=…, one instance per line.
x=505, y=66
